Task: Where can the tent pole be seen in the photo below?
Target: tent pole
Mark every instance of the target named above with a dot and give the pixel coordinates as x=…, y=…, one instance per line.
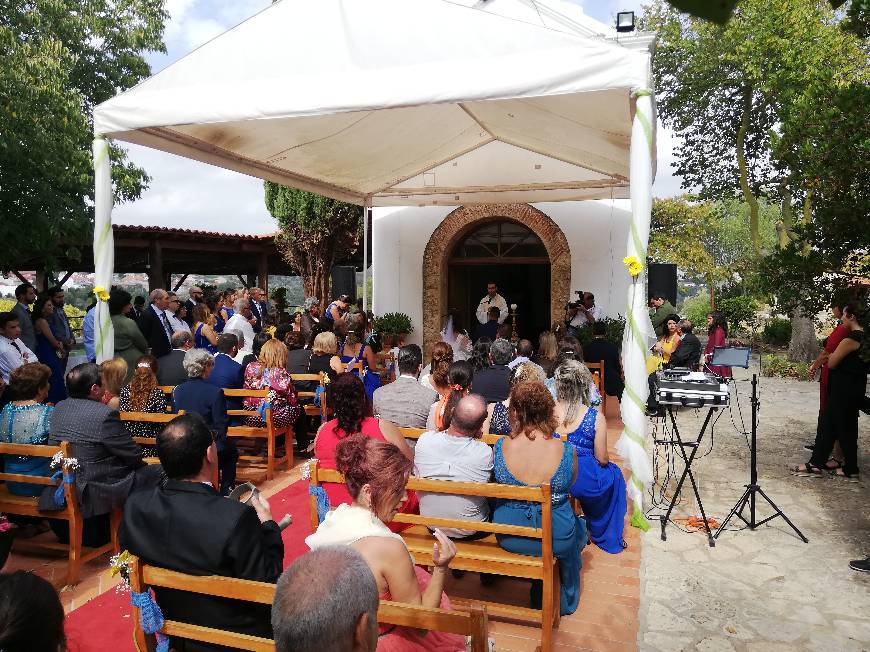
x=367, y=212
x=104, y=250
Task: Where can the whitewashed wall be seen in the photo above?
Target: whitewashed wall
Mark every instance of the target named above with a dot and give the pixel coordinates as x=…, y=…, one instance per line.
x=596, y=232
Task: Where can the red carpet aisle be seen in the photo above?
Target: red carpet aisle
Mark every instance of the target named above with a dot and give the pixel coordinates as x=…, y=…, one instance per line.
x=105, y=623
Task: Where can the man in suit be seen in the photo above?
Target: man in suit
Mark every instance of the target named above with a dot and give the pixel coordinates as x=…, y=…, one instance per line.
x=170, y=368
x=110, y=462
x=58, y=322
x=227, y=373
x=195, y=297
x=155, y=325
x=600, y=349
x=25, y=294
x=494, y=382
x=688, y=353
x=138, y=308
x=310, y=318
x=187, y=526
x=405, y=401
x=258, y=307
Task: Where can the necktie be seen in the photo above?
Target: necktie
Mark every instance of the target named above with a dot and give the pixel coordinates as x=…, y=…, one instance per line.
x=18, y=348
x=167, y=326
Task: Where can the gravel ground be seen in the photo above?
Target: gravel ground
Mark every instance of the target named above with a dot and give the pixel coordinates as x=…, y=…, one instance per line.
x=762, y=589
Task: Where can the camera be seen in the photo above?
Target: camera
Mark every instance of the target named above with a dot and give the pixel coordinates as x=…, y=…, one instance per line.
x=571, y=305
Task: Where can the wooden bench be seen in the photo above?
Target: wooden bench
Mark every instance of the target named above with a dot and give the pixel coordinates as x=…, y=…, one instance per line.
x=268, y=432
x=311, y=409
x=471, y=621
x=71, y=513
x=597, y=369
x=482, y=555
x=415, y=433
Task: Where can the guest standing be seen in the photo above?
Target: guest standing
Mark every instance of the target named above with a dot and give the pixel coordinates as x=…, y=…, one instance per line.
x=599, y=485
x=661, y=309
x=205, y=335
x=155, y=325
x=130, y=343
x=25, y=295
x=49, y=350
x=717, y=335
x=143, y=395
x=59, y=323
x=531, y=457
x=310, y=318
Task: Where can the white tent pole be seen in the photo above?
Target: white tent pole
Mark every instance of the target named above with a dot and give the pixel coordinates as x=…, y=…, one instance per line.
x=104, y=250
x=632, y=443
x=367, y=211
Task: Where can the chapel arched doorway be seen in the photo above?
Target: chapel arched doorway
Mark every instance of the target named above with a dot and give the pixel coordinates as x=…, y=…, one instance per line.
x=511, y=255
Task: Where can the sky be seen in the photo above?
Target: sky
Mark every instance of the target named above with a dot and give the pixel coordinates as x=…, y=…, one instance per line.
x=193, y=195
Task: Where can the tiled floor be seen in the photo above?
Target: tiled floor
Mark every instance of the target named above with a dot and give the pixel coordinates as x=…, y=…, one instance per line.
x=606, y=621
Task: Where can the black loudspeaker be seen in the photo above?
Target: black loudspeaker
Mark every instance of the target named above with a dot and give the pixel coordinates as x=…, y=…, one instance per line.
x=662, y=279
x=344, y=282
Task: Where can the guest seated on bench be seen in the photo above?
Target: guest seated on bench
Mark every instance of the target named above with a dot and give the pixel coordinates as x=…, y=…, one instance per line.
x=599, y=486
x=187, y=526
x=531, y=457
x=326, y=600
x=375, y=473
x=459, y=377
x=456, y=454
x=31, y=615
x=270, y=372
x=498, y=420
x=143, y=395
x=25, y=421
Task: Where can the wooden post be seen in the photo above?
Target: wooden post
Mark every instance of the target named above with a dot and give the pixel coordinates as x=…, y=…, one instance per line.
x=155, y=268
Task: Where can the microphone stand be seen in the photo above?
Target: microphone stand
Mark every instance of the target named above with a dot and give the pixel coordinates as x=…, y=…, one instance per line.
x=753, y=488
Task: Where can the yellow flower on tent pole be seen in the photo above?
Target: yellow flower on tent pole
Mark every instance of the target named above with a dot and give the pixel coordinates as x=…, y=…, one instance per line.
x=635, y=267
x=101, y=293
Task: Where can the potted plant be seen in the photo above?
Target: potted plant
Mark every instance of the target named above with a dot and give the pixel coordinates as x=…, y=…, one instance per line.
x=393, y=326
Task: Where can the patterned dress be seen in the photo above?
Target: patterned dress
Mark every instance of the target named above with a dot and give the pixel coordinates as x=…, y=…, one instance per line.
x=25, y=424
x=500, y=423
x=155, y=404
x=282, y=395
x=569, y=531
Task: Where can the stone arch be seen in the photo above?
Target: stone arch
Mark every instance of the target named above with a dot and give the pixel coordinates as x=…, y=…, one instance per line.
x=462, y=220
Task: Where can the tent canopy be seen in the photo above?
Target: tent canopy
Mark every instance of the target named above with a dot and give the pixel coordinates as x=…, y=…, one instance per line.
x=390, y=102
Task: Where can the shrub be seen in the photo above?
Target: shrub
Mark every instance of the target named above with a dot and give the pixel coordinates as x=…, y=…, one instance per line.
x=393, y=322
x=781, y=367
x=695, y=310
x=738, y=310
x=615, y=330
x=777, y=331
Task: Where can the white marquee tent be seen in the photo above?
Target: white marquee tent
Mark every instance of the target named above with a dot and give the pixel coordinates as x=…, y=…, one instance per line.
x=408, y=102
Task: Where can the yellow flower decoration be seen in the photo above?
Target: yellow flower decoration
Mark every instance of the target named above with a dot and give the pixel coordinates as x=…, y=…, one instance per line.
x=101, y=293
x=635, y=267
x=120, y=563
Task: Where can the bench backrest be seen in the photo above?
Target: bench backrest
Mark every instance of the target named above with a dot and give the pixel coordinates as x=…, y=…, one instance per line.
x=597, y=369
x=470, y=622
x=415, y=433
x=313, y=378
x=36, y=450
x=484, y=489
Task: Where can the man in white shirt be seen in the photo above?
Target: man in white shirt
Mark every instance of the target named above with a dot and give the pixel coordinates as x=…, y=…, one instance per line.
x=240, y=321
x=587, y=312
x=13, y=352
x=171, y=310
x=524, y=353
x=458, y=455
x=492, y=299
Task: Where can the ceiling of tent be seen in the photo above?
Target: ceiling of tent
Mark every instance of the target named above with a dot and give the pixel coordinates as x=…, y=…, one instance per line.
x=404, y=103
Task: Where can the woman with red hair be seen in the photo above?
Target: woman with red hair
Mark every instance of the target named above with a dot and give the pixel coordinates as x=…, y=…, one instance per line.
x=375, y=474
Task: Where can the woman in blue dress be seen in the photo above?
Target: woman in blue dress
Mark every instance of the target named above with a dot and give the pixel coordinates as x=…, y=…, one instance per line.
x=204, y=331
x=599, y=486
x=357, y=349
x=48, y=349
x=532, y=457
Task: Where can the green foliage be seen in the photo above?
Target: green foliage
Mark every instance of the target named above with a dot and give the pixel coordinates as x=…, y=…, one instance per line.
x=615, y=331
x=316, y=232
x=779, y=366
x=60, y=59
x=739, y=311
x=777, y=331
x=696, y=309
x=393, y=323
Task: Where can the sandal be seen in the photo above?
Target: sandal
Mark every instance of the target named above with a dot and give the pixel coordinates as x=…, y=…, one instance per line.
x=848, y=477
x=837, y=464
x=808, y=471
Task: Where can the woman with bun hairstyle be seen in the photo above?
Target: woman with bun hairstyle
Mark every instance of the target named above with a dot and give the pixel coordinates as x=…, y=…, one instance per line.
x=435, y=374
x=375, y=474
x=599, y=485
x=459, y=377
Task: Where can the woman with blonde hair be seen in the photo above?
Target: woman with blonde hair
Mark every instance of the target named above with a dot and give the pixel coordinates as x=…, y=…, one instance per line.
x=599, y=486
x=142, y=394
x=530, y=457
x=204, y=334
x=113, y=373
x=324, y=356
x=269, y=371
x=498, y=419
x=547, y=352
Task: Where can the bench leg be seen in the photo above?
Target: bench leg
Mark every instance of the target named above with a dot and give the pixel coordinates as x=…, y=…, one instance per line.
x=75, y=551
x=270, y=455
x=288, y=447
x=557, y=599
x=549, y=605
x=114, y=527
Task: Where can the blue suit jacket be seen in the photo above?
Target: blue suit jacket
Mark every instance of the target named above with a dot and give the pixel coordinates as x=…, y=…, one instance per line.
x=227, y=373
x=196, y=395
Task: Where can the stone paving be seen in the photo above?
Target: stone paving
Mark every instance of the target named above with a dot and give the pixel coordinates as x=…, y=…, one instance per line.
x=763, y=589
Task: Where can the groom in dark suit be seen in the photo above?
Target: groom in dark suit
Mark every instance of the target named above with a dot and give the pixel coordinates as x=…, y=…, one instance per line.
x=187, y=526
x=155, y=325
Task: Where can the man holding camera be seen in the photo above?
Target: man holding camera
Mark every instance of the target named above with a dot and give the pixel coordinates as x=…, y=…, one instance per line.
x=581, y=312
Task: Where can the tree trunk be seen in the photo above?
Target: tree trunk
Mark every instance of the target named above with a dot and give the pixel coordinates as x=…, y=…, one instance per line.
x=740, y=147
x=804, y=345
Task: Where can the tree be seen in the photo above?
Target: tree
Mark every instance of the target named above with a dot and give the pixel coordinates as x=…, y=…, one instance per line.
x=60, y=59
x=316, y=232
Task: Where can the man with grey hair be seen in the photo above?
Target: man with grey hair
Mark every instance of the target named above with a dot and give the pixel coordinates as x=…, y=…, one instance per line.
x=170, y=367
x=326, y=600
x=310, y=316
x=240, y=321
x=155, y=325
x=493, y=383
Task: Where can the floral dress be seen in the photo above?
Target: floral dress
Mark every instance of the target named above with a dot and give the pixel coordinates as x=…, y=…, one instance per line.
x=500, y=423
x=282, y=395
x=155, y=404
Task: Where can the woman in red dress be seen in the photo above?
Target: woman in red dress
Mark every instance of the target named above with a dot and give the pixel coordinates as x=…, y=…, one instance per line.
x=717, y=335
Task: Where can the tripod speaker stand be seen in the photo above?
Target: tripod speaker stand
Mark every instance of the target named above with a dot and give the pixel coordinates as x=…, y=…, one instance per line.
x=753, y=489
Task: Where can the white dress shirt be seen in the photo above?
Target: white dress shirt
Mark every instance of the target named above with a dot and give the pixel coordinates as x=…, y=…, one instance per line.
x=176, y=323
x=580, y=319
x=12, y=357
x=238, y=323
x=488, y=302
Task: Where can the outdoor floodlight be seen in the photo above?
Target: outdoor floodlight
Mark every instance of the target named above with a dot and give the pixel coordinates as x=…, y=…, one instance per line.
x=625, y=21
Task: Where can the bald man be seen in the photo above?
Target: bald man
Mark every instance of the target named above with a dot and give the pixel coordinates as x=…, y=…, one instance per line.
x=456, y=454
